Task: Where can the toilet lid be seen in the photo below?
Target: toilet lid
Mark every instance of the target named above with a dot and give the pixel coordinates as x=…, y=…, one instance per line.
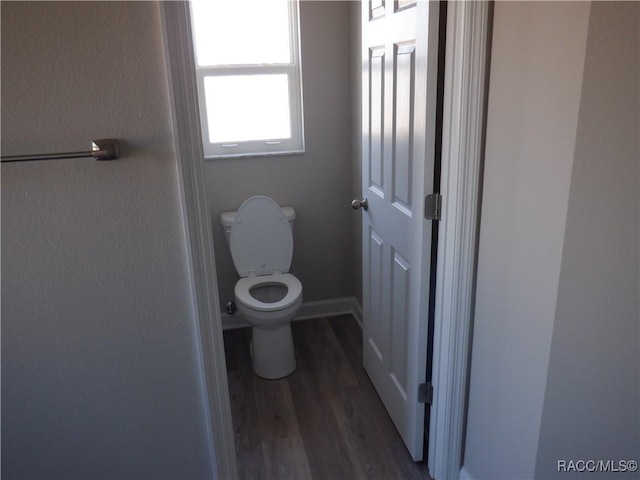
x=261, y=240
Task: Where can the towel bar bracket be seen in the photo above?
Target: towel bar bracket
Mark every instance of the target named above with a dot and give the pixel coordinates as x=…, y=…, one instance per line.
x=105, y=149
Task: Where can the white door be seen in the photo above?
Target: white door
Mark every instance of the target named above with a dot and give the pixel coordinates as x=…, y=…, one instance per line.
x=399, y=59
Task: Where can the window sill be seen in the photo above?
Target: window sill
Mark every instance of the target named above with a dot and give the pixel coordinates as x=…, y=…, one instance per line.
x=282, y=153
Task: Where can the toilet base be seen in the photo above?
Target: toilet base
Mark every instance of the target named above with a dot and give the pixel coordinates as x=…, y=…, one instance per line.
x=272, y=354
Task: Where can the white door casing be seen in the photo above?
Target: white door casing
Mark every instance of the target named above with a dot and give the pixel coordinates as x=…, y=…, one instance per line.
x=399, y=68
x=181, y=78
x=467, y=52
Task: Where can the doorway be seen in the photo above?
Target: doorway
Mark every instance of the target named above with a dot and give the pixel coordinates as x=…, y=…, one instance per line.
x=466, y=36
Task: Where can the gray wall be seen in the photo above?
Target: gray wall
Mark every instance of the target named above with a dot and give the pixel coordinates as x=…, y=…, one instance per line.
x=317, y=184
x=592, y=401
x=356, y=142
x=554, y=372
x=99, y=369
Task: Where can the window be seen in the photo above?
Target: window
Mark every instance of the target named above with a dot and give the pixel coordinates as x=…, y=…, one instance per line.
x=249, y=76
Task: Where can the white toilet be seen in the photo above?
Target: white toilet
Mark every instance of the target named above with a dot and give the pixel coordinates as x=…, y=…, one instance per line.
x=260, y=236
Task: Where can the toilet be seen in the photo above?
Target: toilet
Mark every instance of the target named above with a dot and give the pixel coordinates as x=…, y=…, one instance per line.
x=260, y=237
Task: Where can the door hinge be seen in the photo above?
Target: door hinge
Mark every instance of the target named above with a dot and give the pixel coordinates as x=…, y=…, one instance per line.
x=433, y=206
x=425, y=393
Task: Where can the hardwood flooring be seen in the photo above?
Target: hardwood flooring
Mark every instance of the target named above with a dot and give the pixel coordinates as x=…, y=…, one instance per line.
x=324, y=421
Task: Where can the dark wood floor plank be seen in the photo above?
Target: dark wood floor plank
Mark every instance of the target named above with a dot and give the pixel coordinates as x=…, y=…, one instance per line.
x=236, y=349
x=364, y=441
x=243, y=404
x=327, y=451
x=356, y=408
x=325, y=421
x=277, y=427
x=325, y=349
x=349, y=335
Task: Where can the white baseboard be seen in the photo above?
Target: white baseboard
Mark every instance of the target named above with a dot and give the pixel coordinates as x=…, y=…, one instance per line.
x=464, y=474
x=308, y=310
x=357, y=311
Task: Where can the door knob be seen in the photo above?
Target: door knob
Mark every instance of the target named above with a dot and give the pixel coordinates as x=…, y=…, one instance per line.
x=360, y=203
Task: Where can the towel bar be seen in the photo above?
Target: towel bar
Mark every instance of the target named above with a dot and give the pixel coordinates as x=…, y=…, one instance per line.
x=102, y=149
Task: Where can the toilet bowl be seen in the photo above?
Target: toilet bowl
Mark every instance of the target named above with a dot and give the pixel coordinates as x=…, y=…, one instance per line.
x=267, y=296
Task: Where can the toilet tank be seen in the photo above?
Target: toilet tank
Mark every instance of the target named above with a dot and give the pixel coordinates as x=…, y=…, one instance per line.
x=226, y=219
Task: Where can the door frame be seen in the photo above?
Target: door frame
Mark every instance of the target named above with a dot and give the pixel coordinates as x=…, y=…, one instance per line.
x=464, y=112
x=185, y=118
x=468, y=26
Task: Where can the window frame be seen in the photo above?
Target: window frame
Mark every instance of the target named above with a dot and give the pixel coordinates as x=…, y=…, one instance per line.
x=293, y=70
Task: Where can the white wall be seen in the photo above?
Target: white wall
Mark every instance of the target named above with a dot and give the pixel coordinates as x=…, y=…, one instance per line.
x=592, y=400
x=555, y=360
x=318, y=183
x=99, y=371
x=534, y=96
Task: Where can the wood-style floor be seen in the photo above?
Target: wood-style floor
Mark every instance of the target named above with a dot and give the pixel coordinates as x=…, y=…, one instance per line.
x=324, y=421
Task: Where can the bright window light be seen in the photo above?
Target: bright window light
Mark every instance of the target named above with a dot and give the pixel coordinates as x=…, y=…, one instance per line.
x=245, y=32
x=249, y=76
x=254, y=107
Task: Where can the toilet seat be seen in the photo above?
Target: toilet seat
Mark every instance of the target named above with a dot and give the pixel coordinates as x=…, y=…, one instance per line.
x=244, y=285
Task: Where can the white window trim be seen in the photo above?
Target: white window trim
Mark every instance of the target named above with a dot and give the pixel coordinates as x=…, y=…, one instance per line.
x=293, y=70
